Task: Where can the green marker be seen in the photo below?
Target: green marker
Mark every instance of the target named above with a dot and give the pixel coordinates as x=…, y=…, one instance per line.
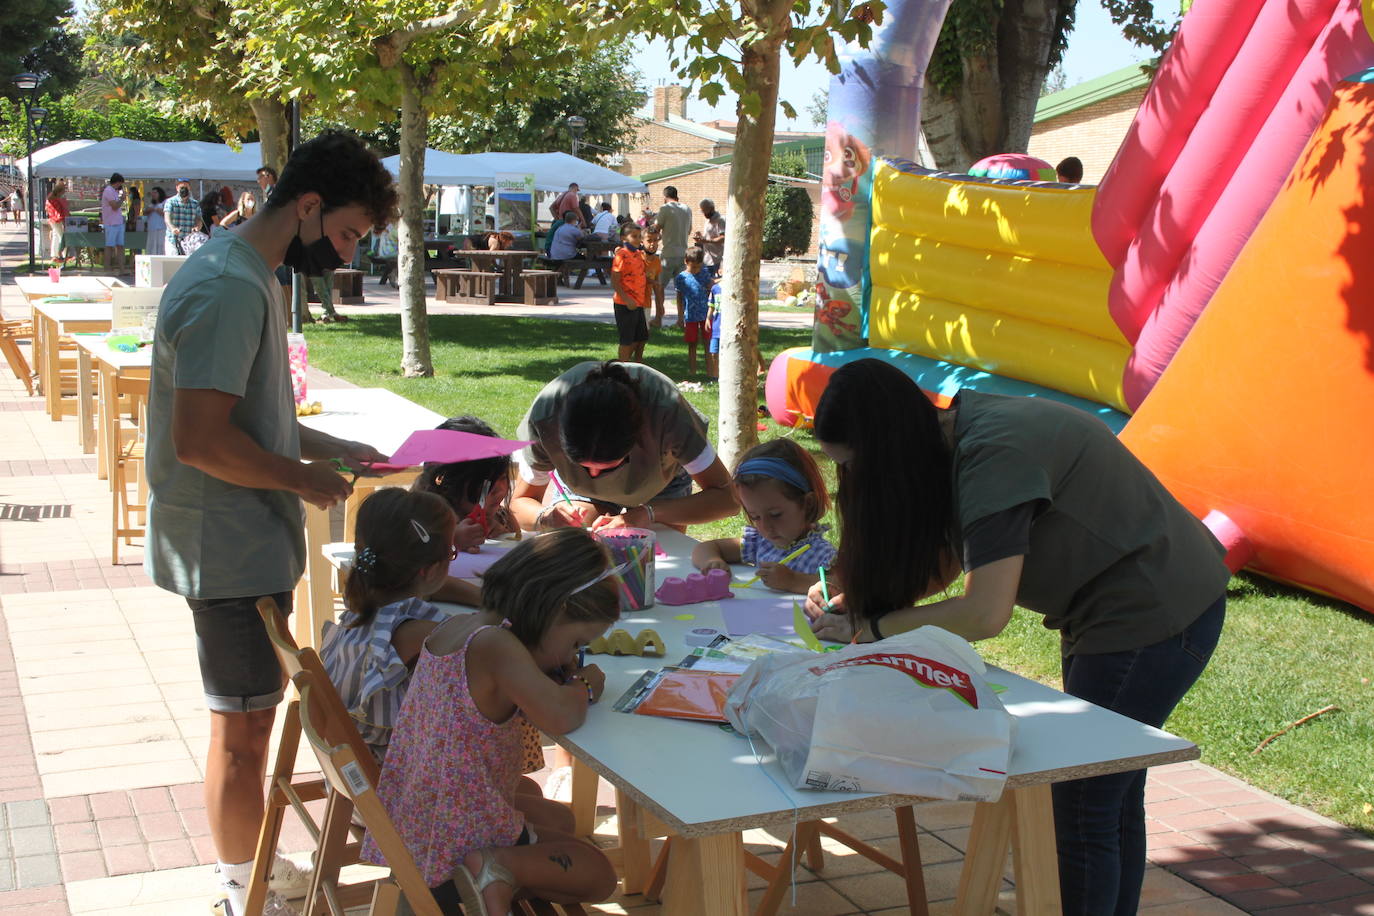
x=825, y=589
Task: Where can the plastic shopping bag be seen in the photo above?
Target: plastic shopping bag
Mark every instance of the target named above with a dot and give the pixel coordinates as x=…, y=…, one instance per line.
x=910, y=715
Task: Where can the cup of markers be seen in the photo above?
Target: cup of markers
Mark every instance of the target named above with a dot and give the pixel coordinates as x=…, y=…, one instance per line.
x=635, y=546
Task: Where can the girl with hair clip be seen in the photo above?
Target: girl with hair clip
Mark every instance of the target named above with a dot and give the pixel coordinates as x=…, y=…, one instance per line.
x=478, y=492
x=450, y=780
x=402, y=550
x=1043, y=507
x=783, y=496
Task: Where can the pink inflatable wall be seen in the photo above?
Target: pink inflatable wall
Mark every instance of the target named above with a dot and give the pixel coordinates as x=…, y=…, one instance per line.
x=1235, y=100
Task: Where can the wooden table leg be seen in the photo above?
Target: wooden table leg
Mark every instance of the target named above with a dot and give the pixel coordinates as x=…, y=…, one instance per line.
x=585, y=782
x=986, y=856
x=51, y=371
x=107, y=424
x=913, y=872
x=314, y=594
x=85, y=402
x=1035, y=858
x=634, y=844
x=706, y=875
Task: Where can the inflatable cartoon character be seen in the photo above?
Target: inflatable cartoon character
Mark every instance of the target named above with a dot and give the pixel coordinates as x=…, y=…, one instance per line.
x=846, y=161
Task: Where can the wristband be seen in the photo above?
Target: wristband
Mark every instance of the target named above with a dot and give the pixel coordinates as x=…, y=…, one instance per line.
x=539, y=519
x=873, y=627
x=591, y=698
x=649, y=509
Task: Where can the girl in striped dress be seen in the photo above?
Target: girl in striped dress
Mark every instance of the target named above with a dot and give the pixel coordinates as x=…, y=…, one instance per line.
x=403, y=548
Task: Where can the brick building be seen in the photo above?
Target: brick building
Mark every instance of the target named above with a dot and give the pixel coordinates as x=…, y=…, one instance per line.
x=1089, y=120
x=671, y=149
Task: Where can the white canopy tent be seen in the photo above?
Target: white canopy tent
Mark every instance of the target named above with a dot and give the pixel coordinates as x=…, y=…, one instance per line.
x=136, y=159
x=41, y=156
x=551, y=171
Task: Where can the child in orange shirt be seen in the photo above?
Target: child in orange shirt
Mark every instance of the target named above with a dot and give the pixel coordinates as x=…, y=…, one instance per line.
x=631, y=295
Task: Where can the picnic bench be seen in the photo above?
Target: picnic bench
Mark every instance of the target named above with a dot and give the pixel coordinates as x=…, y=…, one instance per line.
x=466, y=287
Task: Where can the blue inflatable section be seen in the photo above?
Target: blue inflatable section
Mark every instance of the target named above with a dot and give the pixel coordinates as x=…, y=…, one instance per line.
x=946, y=379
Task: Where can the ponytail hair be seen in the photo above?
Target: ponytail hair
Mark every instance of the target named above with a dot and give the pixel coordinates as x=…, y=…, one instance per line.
x=554, y=575
x=399, y=534
x=601, y=416
x=460, y=482
x=895, y=528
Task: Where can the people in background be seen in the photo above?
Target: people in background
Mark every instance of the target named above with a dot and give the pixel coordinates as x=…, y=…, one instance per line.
x=135, y=212
x=568, y=200
x=653, y=271
x=1070, y=170
x=631, y=299
x=674, y=221
x=711, y=237
x=564, y=239
x=693, y=288
x=604, y=224
x=243, y=210
x=182, y=215
x=157, y=223
x=56, y=209
x=112, y=221
x=384, y=251
x=267, y=180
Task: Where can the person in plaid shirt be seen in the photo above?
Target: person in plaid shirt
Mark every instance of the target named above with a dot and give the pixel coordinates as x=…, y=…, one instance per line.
x=182, y=215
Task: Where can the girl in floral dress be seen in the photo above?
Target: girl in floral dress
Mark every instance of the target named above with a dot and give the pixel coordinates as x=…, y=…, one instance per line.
x=450, y=777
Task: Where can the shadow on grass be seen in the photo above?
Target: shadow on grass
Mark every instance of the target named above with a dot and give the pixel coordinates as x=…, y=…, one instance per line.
x=1254, y=585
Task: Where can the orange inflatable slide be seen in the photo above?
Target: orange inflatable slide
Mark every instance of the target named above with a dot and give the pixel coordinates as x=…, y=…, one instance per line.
x=1266, y=413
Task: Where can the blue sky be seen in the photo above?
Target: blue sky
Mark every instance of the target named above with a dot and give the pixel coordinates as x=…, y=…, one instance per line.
x=1095, y=47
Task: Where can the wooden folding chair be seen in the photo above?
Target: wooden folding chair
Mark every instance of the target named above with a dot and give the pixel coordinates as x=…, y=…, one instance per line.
x=11, y=332
x=333, y=848
x=348, y=779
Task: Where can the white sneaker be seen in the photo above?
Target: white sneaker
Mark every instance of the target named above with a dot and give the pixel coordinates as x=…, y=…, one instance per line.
x=288, y=878
x=274, y=905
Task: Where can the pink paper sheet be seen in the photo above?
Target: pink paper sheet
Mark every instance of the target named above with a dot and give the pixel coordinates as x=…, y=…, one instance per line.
x=446, y=446
x=472, y=565
x=769, y=614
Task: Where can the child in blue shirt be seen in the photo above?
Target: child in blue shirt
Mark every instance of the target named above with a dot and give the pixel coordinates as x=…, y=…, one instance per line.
x=713, y=350
x=693, y=287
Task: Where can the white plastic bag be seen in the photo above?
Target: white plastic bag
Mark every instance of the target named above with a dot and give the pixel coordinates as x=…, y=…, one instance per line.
x=910, y=715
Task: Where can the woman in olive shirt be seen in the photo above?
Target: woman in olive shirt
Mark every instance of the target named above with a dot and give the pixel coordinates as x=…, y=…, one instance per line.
x=626, y=444
x=1041, y=506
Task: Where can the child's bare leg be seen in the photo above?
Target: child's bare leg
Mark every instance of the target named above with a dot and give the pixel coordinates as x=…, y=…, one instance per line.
x=692, y=358
x=626, y=352
x=639, y=352
x=545, y=814
x=558, y=868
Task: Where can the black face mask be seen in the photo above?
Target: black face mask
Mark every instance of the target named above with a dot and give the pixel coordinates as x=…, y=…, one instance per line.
x=313, y=259
x=183, y=192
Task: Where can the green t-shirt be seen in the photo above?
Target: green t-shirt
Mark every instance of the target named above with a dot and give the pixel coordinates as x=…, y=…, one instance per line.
x=1115, y=562
x=219, y=327
x=673, y=436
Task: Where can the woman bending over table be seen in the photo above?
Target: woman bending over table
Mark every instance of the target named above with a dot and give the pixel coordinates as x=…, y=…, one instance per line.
x=1041, y=506
x=625, y=447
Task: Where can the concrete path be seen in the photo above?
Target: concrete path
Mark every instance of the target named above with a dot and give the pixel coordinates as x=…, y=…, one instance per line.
x=103, y=738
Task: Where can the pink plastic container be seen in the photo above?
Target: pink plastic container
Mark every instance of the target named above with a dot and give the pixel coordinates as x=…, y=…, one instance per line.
x=713, y=585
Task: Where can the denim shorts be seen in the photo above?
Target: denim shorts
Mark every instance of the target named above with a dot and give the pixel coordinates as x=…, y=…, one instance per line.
x=238, y=667
x=114, y=236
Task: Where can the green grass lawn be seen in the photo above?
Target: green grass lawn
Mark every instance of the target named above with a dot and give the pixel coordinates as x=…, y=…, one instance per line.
x=1284, y=653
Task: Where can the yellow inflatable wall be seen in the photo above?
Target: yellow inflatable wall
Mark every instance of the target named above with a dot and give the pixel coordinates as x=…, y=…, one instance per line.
x=999, y=276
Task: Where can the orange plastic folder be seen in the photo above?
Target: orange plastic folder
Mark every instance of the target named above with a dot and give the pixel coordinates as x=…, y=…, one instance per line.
x=681, y=693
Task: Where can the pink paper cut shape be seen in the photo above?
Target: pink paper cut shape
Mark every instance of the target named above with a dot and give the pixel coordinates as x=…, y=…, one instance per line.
x=446, y=446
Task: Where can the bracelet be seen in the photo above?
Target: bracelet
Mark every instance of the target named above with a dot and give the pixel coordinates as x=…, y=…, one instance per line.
x=649, y=509
x=873, y=627
x=591, y=698
x=539, y=519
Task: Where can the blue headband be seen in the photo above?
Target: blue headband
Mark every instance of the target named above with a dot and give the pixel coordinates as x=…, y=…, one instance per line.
x=777, y=469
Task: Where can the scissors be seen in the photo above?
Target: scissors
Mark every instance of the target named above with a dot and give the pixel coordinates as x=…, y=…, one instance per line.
x=345, y=469
x=479, y=511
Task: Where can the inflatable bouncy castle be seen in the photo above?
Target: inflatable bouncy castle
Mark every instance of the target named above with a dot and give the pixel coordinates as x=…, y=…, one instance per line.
x=1212, y=299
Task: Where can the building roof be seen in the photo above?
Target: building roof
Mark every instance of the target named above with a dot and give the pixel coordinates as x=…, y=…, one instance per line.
x=1135, y=76
x=692, y=127
x=813, y=148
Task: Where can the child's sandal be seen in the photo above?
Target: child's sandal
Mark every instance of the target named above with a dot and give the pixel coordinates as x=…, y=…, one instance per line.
x=470, y=888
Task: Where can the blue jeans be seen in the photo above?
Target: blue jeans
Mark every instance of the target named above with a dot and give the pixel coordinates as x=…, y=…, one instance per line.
x=1100, y=822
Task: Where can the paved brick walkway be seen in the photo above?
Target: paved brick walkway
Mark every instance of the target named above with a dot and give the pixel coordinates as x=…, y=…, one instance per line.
x=103, y=735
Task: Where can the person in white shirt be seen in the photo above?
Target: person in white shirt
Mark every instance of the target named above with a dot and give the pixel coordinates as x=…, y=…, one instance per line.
x=605, y=224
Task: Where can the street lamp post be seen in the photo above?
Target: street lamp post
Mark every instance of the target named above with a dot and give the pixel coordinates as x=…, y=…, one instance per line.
x=577, y=126
x=27, y=84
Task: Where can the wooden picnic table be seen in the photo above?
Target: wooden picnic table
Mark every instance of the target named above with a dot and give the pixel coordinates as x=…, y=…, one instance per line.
x=508, y=263
x=97, y=412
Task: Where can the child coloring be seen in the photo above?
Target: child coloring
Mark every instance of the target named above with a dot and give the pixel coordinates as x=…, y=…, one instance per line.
x=402, y=550
x=449, y=781
x=783, y=496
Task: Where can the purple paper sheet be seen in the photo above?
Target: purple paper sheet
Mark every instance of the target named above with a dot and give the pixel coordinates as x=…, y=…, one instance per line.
x=770, y=615
x=472, y=565
x=447, y=445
